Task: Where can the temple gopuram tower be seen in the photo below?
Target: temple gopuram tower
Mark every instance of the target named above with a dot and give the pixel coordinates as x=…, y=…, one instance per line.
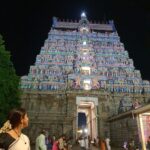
x=83, y=67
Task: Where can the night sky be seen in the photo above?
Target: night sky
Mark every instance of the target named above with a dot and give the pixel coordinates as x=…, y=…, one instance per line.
x=81, y=120
x=24, y=26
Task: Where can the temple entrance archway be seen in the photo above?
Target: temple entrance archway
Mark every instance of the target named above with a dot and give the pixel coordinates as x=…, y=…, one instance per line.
x=87, y=106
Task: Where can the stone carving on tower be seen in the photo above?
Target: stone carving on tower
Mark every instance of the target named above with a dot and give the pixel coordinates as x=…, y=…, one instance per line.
x=84, y=55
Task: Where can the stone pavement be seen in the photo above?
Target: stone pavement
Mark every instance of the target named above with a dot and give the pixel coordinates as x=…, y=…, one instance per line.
x=77, y=147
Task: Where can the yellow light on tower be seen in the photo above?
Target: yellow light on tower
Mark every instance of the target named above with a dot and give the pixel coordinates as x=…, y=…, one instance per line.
x=86, y=69
x=87, y=84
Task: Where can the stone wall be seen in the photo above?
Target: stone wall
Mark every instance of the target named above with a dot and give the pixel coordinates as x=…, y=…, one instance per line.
x=56, y=112
x=47, y=111
x=124, y=129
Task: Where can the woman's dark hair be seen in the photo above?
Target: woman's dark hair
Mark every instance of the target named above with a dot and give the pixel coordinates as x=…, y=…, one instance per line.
x=15, y=116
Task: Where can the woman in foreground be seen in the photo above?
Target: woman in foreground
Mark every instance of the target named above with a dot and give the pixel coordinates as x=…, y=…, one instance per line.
x=11, y=136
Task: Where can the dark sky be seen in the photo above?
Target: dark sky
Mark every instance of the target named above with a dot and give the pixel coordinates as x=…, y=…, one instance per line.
x=81, y=120
x=24, y=26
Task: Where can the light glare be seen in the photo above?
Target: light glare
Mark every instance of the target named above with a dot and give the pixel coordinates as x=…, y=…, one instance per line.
x=83, y=14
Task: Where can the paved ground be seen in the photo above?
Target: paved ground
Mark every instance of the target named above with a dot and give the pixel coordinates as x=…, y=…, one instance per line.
x=77, y=147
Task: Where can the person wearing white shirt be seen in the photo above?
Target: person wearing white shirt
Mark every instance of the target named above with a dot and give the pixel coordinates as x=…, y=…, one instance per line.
x=40, y=143
x=82, y=143
x=107, y=140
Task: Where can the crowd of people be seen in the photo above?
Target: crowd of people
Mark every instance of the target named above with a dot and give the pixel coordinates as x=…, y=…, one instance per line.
x=46, y=142
x=12, y=138
x=86, y=143
x=130, y=145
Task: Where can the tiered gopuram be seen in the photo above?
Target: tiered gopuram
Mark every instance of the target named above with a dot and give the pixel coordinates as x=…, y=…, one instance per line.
x=83, y=67
x=84, y=55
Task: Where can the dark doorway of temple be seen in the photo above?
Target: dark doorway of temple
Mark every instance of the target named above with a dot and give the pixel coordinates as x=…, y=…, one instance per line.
x=86, y=120
x=81, y=120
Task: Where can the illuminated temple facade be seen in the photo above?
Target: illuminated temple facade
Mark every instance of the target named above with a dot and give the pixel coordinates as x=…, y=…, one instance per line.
x=82, y=67
x=84, y=56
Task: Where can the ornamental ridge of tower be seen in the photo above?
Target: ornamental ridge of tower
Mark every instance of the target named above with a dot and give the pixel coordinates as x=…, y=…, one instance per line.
x=70, y=24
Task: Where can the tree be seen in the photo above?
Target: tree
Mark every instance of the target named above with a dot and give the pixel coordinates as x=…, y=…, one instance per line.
x=9, y=84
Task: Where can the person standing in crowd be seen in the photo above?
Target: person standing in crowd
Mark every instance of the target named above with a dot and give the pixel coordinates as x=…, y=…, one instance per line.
x=148, y=143
x=95, y=142
x=89, y=141
x=69, y=143
x=49, y=142
x=40, y=143
x=86, y=143
x=125, y=145
x=107, y=141
x=82, y=143
x=131, y=145
x=61, y=143
x=55, y=145
x=11, y=136
x=65, y=143
x=53, y=138
x=102, y=144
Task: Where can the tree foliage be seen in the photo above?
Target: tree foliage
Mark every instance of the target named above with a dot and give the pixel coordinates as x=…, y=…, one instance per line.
x=9, y=84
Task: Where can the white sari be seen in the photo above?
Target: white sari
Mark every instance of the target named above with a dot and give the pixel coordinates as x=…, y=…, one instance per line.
x=22, y=143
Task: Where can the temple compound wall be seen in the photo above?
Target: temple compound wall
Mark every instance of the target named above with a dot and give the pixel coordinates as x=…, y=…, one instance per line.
x=122, y=130
x=56, y=112
x=131, y=125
